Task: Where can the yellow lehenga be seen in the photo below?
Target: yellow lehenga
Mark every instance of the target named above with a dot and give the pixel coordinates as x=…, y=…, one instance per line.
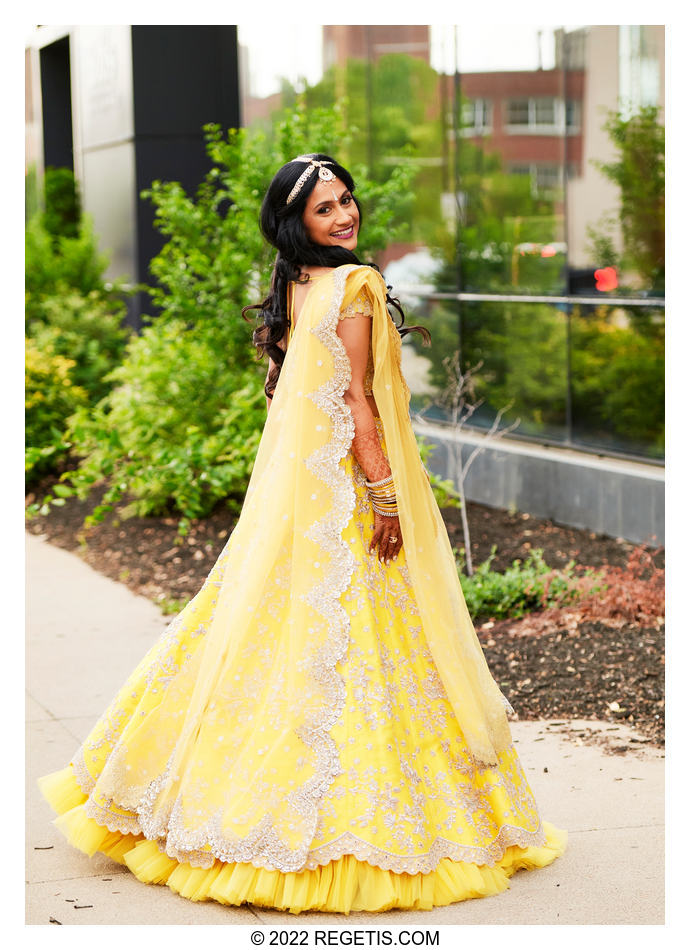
x=316, y=730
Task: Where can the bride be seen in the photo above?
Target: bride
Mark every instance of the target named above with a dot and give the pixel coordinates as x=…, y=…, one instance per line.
x=318, y=728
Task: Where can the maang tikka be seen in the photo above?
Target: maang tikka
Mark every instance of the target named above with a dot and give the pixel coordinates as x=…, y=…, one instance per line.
x=325, y=174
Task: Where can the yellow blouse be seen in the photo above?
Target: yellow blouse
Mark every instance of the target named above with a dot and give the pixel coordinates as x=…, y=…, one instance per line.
x=360, y=304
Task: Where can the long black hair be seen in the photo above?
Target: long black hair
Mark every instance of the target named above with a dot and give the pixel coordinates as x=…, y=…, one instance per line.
x=282, y=226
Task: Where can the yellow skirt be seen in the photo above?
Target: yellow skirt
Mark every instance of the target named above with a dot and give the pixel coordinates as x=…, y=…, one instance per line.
x=410, y=821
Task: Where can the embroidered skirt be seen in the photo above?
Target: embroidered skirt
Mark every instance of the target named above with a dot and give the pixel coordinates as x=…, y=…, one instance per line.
x=409, y=822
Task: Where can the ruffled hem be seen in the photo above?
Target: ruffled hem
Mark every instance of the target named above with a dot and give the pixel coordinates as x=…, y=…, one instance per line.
x=341, y=886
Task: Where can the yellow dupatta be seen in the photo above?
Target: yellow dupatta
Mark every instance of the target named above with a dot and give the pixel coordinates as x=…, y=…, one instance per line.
x=233, y=757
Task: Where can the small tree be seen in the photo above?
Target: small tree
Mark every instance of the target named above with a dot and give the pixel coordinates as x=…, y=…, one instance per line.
x=459, y=399
x=639, y=173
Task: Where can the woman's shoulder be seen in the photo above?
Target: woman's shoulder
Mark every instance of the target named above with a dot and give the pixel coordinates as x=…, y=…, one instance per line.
x=365, y=275
x=363, y=286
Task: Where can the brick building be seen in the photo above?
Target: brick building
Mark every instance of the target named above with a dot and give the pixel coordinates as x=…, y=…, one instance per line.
x=341, y=43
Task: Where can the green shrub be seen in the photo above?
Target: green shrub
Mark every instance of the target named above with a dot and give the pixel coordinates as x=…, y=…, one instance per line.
x=50, y=397
x=71, y=312
x=177, y=433
x=52, y=267
x=89, y=331
x=524, y=587
x=62, y=214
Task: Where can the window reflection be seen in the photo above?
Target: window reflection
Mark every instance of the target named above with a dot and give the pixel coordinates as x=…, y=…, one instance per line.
x=519, y=135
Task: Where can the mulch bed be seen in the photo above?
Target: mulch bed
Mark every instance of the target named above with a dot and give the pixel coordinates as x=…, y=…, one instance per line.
x=563, y=666
x=590, y=670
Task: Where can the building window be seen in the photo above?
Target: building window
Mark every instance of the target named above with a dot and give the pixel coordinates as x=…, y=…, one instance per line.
x=545, y=112
x=546, y=179
x=518, y=112
x=542, y=115
x=477, y=117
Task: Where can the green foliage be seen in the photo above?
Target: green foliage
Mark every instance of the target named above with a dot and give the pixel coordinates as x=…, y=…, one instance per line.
x=444, y=489
x=87, y=329
x=170, y=605
x=618, y=377
x=180, y=428
x=72, y=315
x=524, y=587
x=62, y=214
x=523, y=349
x=56, y=265
x=500, y=214
x=639, y=173
x=50, y=397
x=178, y=432
x=616, y=369
x=32, y=192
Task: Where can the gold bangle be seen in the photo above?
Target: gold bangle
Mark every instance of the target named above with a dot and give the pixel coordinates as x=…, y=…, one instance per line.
x=383, y=481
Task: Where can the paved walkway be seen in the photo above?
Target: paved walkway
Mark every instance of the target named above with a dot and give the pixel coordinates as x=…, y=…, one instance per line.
x=86, y=633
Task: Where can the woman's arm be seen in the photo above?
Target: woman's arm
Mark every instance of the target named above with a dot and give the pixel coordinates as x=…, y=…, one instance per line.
x=355, y=333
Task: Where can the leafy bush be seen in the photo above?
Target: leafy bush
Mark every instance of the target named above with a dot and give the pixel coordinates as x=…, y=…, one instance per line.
x=71, y=312
x=618, y=377
x=53, y=266
x=50, y=397
x=89, y=331
x=632, y=594
x=524, y=587
x=180, y=429
x=62, y=214
x=176, y=434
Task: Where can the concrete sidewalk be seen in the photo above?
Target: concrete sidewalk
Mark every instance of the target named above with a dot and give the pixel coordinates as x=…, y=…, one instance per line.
x=86, y=634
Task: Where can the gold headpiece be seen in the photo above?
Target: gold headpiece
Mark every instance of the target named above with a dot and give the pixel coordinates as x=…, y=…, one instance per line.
x=325, y=174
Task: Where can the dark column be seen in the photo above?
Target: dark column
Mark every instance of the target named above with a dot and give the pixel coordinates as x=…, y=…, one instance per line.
x=183, y=77
x=142, y=95
x=57, y=105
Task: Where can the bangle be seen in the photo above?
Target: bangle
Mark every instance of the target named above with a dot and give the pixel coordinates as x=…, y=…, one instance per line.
x=393, y=513
x=384, y=481
x=382, y=496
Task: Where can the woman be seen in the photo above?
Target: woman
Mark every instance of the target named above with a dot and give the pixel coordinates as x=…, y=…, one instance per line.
x=318, y=728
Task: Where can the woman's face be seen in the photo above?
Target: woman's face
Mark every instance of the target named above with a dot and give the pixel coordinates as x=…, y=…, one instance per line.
x=331, y=215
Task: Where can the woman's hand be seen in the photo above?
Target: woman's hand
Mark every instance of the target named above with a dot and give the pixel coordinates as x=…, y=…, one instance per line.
x=386, y=528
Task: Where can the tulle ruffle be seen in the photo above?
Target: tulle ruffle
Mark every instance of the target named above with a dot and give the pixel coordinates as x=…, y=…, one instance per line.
x=341, y=886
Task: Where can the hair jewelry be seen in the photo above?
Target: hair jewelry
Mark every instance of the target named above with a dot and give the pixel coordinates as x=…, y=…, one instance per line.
x=325, y=174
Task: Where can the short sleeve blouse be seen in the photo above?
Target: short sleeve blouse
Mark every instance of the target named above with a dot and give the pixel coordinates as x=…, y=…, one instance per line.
x=362, y=304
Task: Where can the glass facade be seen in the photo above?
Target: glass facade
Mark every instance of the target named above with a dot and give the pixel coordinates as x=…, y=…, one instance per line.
x=532, y=239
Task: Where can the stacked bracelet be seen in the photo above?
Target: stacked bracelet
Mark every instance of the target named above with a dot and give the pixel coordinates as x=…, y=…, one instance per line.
x=382, y=495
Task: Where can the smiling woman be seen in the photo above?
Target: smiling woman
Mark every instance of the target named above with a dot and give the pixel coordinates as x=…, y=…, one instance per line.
x=318, y=729
x=331, y=215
